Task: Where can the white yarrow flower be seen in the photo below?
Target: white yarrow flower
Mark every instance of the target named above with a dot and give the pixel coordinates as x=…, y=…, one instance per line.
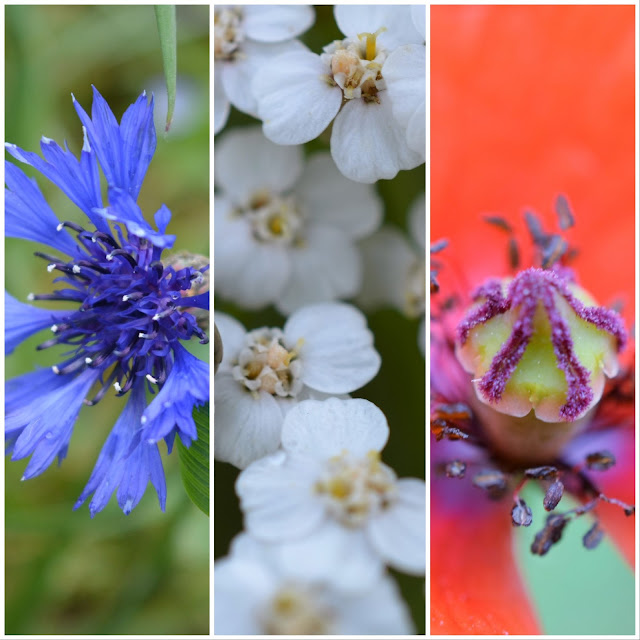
x=254, y=595
x=328, y=505
x=322, y=349
x=286, y=231
x=347, y=83
x=245, y=38
x=395, y=269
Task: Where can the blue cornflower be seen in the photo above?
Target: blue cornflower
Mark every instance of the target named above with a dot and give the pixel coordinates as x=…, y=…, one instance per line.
x=131, y=311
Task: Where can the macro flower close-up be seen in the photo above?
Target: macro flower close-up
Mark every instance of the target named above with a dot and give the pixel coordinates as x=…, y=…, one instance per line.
x=127, y=329
x=533, y=447
x=322, y=349
x=327, y=503
x=246, y=38
x=295, y=223
x=346, y=83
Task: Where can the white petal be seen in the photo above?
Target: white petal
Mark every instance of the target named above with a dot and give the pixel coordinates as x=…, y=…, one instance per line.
x=238, y=74
x=333, y=554
x=246, y=162
x=396, y=19
x=399, y=533
x=274, y=23
x=294, y=102
x=378, y=610
x=251, y=273
x=368, y=144
x=387, y=258
x=325, y=428
x=242, y=586
x=221, y=106
x=332, y=199
x=232, y=334
x=326, y=267
x=404, y=74
x=337, y=349
x=418, y=222
x=277, y=497
x=416, y=131
x=247, y=426
x=419, y=18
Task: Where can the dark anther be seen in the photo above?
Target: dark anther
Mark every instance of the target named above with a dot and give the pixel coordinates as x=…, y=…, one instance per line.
x=549, y=535
x=158, y=267
x=453, y=411
x=628, y=509
x=71, y=225
x=500, y=222
x=492, y=481
x=48, y=257
x=564, y=213
x=455, y=469
x=521, y=515
x=91, y=265
x=541, y=473
x=514, y=254
x=553, y=249
x=106, y=238
x=600, y=461
x=535, y=228
x=434, y=287
x=592, y=538
x=127, y=256
x=439, y=245
x=553, y=495
x=441, y=429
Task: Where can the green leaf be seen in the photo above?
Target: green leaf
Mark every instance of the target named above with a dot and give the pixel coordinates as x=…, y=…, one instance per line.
x=194, y=461
x=166, y=18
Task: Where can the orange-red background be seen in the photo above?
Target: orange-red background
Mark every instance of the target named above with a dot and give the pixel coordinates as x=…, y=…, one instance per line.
x=528, y=102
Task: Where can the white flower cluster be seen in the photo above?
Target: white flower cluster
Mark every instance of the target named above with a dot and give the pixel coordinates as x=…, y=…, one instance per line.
x=370, y=84
x=298, y=233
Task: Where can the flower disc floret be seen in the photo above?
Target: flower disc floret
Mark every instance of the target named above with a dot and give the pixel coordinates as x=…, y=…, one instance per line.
x=266, y=364
x=355, y=489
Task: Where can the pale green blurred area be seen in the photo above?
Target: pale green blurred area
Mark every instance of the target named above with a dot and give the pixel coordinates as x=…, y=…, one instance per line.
x=576, y=591
x=147, y=573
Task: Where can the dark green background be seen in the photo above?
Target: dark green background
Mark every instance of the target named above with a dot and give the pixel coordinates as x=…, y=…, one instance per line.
x=399, y=387
x=147, y=573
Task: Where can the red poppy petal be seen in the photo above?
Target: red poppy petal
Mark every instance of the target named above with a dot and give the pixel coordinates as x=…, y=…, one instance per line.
x=528, y=102
x=475, y=584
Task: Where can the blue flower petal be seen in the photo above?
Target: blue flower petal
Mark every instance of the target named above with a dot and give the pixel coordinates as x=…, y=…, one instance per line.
x=123, y=208
x=126, y=462
x=186, y=386
x=162, y=218
x=20, y=390
x=42, y=427
x=124, y=150
x=79, y=180
x=28, y=216
x=22, y=321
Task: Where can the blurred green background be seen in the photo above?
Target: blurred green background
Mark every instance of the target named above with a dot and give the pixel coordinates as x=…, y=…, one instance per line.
x=399, y=387
x=147, y=573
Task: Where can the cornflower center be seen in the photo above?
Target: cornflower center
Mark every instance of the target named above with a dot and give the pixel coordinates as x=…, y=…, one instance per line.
x=227, y=33
x=296, y=610
x=355, y=489
x=129, y=311
x=356, y=65
x=266, y=363
x=274, y=218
